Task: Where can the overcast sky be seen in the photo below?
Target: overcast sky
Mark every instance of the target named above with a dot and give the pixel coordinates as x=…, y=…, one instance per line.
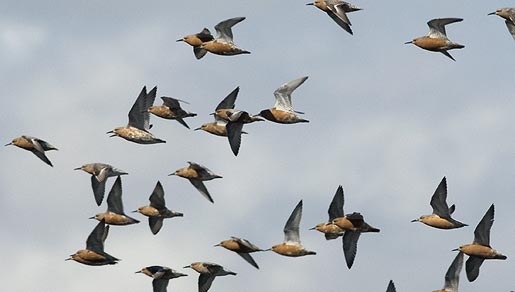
x=387, y=121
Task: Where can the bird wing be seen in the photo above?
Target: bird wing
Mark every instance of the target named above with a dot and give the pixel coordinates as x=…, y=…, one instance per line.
x=339, y=16
x=439, y=200
x=229, y=101
x=234, y=136
x=157, y=198
x=136, y=114
x=199, y=52
x=391, y=287
x=472, y=267
x=114, y=199
x=155, y=224
x=223, y=29
x=182, y=122
x=511, y=27
x=44, y=144
x=437, y=26
x=201, y=169
x=205, y=35
x=41, y=155
x=291, y=229
x=159, y=285
x=452, y=277
x=170, y=102
x=199, y=185
x=350, y=246
x=283, y=94
x=96, y=238
x=245, y=243
x=98, y=189
x=249, y=259
x=205, y=281
x=482, y=231
x=336, y=206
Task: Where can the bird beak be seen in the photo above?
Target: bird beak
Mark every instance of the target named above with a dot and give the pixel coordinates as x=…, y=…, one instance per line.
x=78, y=168
x=217, y=244
x=410, y=42
x=310, y=4
x=92, y=217
x=415, y=220
x=180, y=275
x=173, y=173
x=8, y=144
x=186, y=267
x=137, y=272
x=313, y=228
x=180, y=40
x=456, y=249
x=197, y=129
x=491, y=13
x=135, y=211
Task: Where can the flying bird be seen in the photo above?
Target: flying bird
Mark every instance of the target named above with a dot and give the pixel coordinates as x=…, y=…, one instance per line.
x=291, y=246
x=480, y=249
x=283, y=112
x=115, y=214
x=157, y=211
x=509, y=18
x=208, y=272
x=452, y=277
x=223, y=43
x=218, y=127
x=195, y=40
x=441, y=216
x=100, y=172
x=331, y=230
x=196, y=174
x=242, y=247
x=161, y=275
x=171, y=110
x=337, y=10
x=436, y=40
x=34, y=145
x=94, y=254
x=137, y=130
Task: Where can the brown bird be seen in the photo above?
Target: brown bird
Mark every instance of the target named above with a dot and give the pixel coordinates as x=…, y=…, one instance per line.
x=437, y=40
x=509, y=18
x=100, y=172
x=161, y=275
x=218, y=126
x=171, y=110
x=223, y=43
x=242, y=247
x=291, y=246
x=196, y=174
x=157, y=211
x=114, y=214
x=94, y=254
x=283, y=112
x=137, y=130
x=208, y=272
x=480, y=249
x=337, y=11
x=441, y=217
x=331, y=230
x=195, y=40
x=34, y=145
x=452, y=277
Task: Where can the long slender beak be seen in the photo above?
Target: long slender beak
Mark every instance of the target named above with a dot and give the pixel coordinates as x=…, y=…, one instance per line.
x=197, y=129
x=186, y=267
x=180, y=275
x=92, y=217
x=415, y=220
x=135, y=211
x=217, y=244
x=8, y=144
x=173, y=173
x=180, y=40
x=410, y=42
x=78, y=168
x=310, y=4
x=313, y=228
x=137, y=272
x=456, y=249
x=491, y=13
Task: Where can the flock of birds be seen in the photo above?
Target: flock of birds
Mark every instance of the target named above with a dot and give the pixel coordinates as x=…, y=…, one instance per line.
x=228, y=122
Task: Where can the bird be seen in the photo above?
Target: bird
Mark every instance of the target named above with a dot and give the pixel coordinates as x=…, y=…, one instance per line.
x=242, y=247
x=196, y=174
x=436, y=40
x=157, y=211
x=480, y=249
x=283, y=112
x=171, y=110
x=195, y=40
x=34, y=145
x=100, y=172
x=452, y=277
x=291, y=246
x=114, y=214
x=337, y=11
x=509, y=15
x=94, y=254
x=331, y=230
x=161, y=275
x=391, y=287
x=223, y=43
x=137, y=130
x=208, y=272
x=441, y=216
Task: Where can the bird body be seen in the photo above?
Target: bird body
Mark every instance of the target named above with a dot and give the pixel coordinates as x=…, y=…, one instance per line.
x=100, y=172
x=115, y=214
x=208, y=272
x=196, y=174
x=34, y=145
x=196, y=40
x=94, y=254
x=223, y=42
x=337, y=11
x=509, y=18
x=171, y=110
x=242, y=247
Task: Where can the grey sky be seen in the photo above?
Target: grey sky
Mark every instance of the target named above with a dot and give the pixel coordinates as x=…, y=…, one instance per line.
x=388, y=121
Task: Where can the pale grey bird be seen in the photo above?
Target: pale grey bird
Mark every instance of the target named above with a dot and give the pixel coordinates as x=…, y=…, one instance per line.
x=208, y=272
x=337, y=10
x=100, y=172
x=115, y=214
x=157, y=211
x=137, y=130
x=34, y=145
x=452, y=277
x=509, y=16
x=436, y=40
x=196, y=174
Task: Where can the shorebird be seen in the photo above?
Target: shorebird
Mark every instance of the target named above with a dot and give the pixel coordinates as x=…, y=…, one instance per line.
x=223, y=43
x=161, y=275
x=100, y=172
x=94, y=254
x=391, y=287
x=114, y=214
x=208, y=272
x=480, y=249
x=34, y=145
x=291, y=246
x=441, y=216
x=331, y=230
x=196, y=174
x=218, y=126
x=452, y=277
x=157, y=211
x=437, y=40
x=337, y=11
x=509, y=16
x=283, y=112
x=242, y=247
x=137, y=130
x=171, y=110
x=195, y=40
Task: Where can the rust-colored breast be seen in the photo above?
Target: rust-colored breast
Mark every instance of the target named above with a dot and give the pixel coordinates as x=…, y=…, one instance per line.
x=23, y=143
x=222, y=114
x=187, y=173
x=344, y=223
x=329, y=228
x=284, y=117
x=431, y=44
x=437, y=222
x=162, y=111
x=478, y=251
x=289, y=250
x=215, y=129
x=221, y=48
x=192, y=40
x=149, y=211
x=116, y=219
